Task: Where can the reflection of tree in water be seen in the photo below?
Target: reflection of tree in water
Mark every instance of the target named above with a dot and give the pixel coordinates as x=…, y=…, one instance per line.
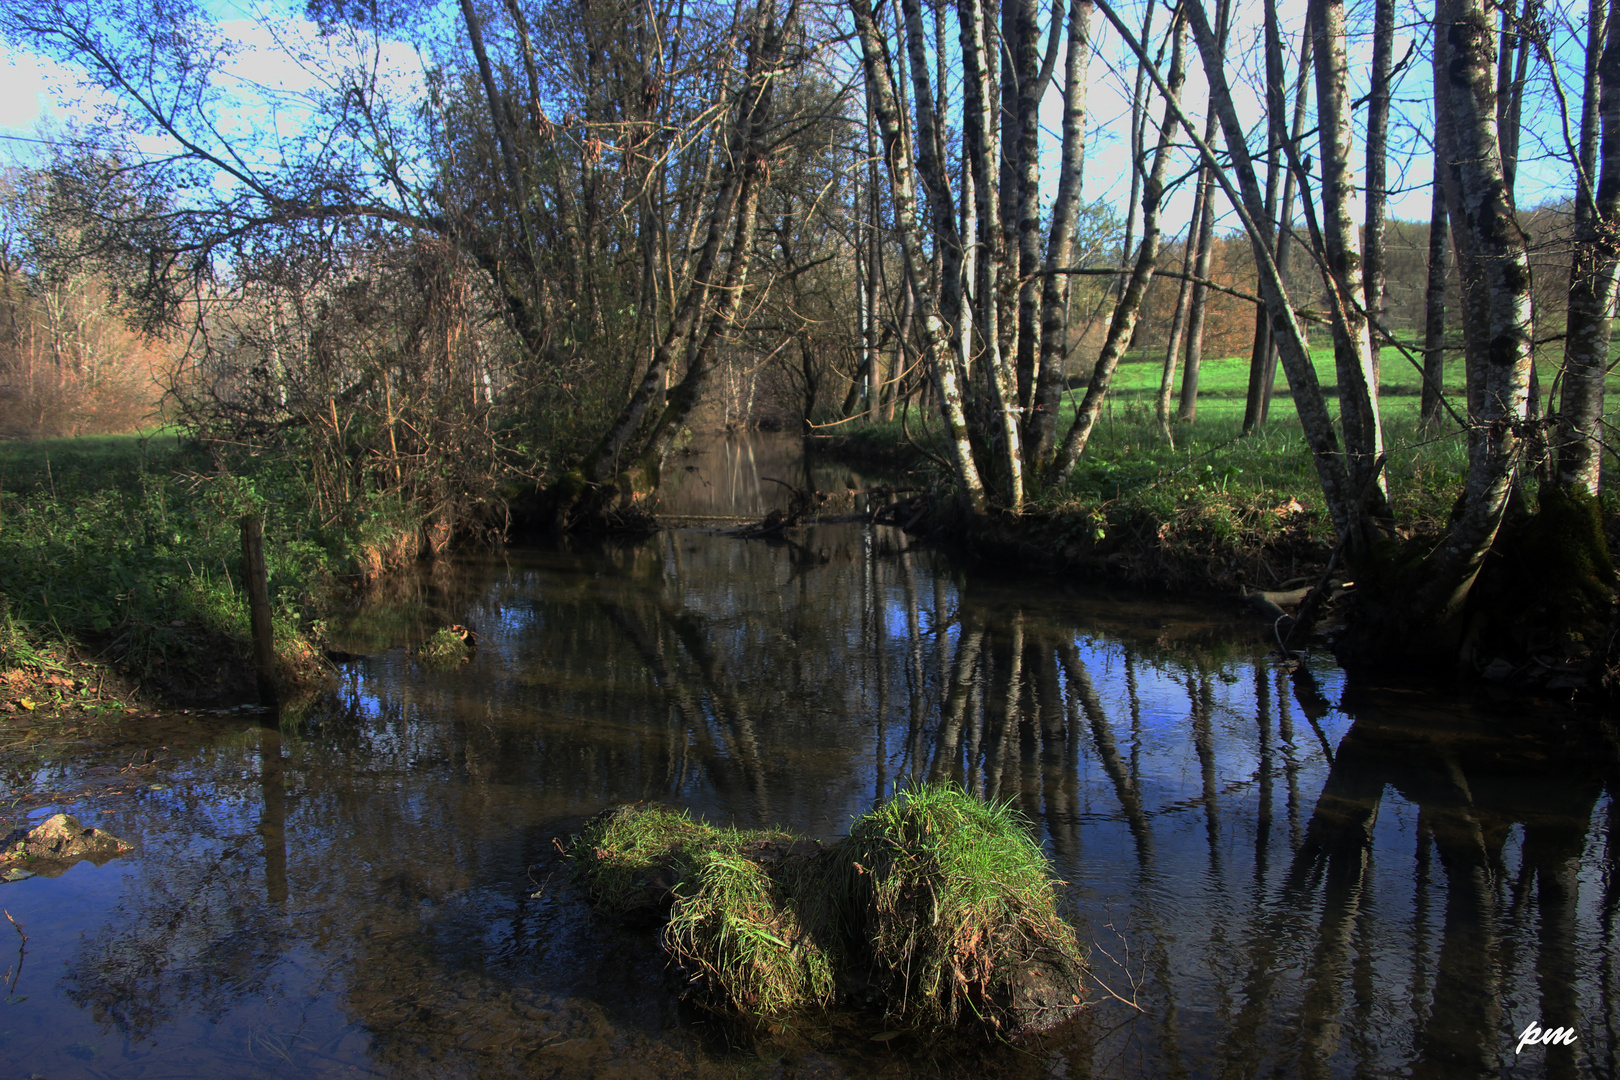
x=1296, y=960
x=196, y=930
x=1317, y=940
x=1286, y=913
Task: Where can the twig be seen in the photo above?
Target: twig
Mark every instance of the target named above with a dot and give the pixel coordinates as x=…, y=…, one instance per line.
x=1116, y=997
x=22, y=953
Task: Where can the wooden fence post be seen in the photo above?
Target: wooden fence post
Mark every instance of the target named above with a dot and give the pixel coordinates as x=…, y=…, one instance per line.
x=258, y=590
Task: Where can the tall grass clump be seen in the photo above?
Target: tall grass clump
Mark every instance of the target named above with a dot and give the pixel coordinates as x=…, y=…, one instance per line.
x=747, y=919
x=942, y=903
x=757, y=932
x=955, y=902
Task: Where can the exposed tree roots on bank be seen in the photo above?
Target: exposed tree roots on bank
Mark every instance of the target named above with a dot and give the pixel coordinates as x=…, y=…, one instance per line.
x=938, y=908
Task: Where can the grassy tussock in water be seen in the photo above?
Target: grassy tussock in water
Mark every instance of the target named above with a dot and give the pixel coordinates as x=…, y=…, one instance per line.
x=953, y=896
x=734, y=899
x=941, y=902
x=444, y=650
x=759, y=936
x=630, y=857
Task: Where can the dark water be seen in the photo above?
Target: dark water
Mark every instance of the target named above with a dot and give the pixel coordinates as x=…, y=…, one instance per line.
x=1286, y=875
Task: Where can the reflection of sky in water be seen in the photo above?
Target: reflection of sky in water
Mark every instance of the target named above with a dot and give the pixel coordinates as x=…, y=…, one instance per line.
x=1172, y=770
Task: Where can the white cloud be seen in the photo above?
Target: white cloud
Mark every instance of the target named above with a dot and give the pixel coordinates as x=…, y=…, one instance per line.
x=22, y=90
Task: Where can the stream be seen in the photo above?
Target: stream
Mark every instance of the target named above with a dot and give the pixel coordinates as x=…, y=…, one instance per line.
x=1277, y=872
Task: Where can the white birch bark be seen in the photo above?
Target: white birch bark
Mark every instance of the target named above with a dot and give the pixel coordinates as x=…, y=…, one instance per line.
x=1060, y=241
x=1596, y=261
x=1352, y=341
x=1466, y=94
x=937, y=336
x=980, y=146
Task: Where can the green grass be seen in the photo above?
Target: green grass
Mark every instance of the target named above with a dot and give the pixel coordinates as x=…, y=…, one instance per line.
x=126, y=549
x=1223, y=382
x=760, y=938
x=1209, y=506
x=737, y=927
x=943, y=902
x=622, y=855
x=443, y=650
x=1127, y=459
x=952, y=893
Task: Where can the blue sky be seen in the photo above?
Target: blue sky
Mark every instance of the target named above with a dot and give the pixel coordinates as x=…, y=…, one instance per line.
x=36, y=95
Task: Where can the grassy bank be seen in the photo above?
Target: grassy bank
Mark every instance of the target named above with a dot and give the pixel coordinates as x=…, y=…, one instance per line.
x=120, y=558
x=1213, y=508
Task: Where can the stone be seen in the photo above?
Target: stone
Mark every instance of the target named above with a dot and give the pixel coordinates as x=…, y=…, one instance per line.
x=57, y=843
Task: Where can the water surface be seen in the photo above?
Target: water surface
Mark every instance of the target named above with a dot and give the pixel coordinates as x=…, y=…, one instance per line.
x=1279, y=874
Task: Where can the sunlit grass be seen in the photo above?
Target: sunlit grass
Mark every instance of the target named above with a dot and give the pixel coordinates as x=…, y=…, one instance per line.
x=760, y=937
x=743, y=931
x=1210, y=474
x=127, y=549
x=945, y=903
x=952, y=893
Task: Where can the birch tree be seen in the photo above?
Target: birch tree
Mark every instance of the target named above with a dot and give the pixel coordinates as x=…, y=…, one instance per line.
x=1464, y=97
x=1352, y=339
x=939, y=354
x=1060, y=240
x=1596, y=259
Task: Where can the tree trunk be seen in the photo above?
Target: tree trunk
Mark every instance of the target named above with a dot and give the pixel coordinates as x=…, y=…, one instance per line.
x=1276, y=100
x=1188, y=410
x=1465, y=96
x=685, y=395
x=1513, y=45
x=1129, y=306
x=1377, y=198
x=1138, y=115
x=1476, y=302
x=1026, y=53
x=1352, y=341
x=1596, y=259
x=1434, y=310
x=1178, y=320
x=1285, y=215
x=937, y=334
x=980, y=147
x=1199, y=304
x=874, y=274
x=1060, y=241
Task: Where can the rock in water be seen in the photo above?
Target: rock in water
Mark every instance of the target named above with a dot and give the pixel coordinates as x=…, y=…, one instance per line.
x=58, y=842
